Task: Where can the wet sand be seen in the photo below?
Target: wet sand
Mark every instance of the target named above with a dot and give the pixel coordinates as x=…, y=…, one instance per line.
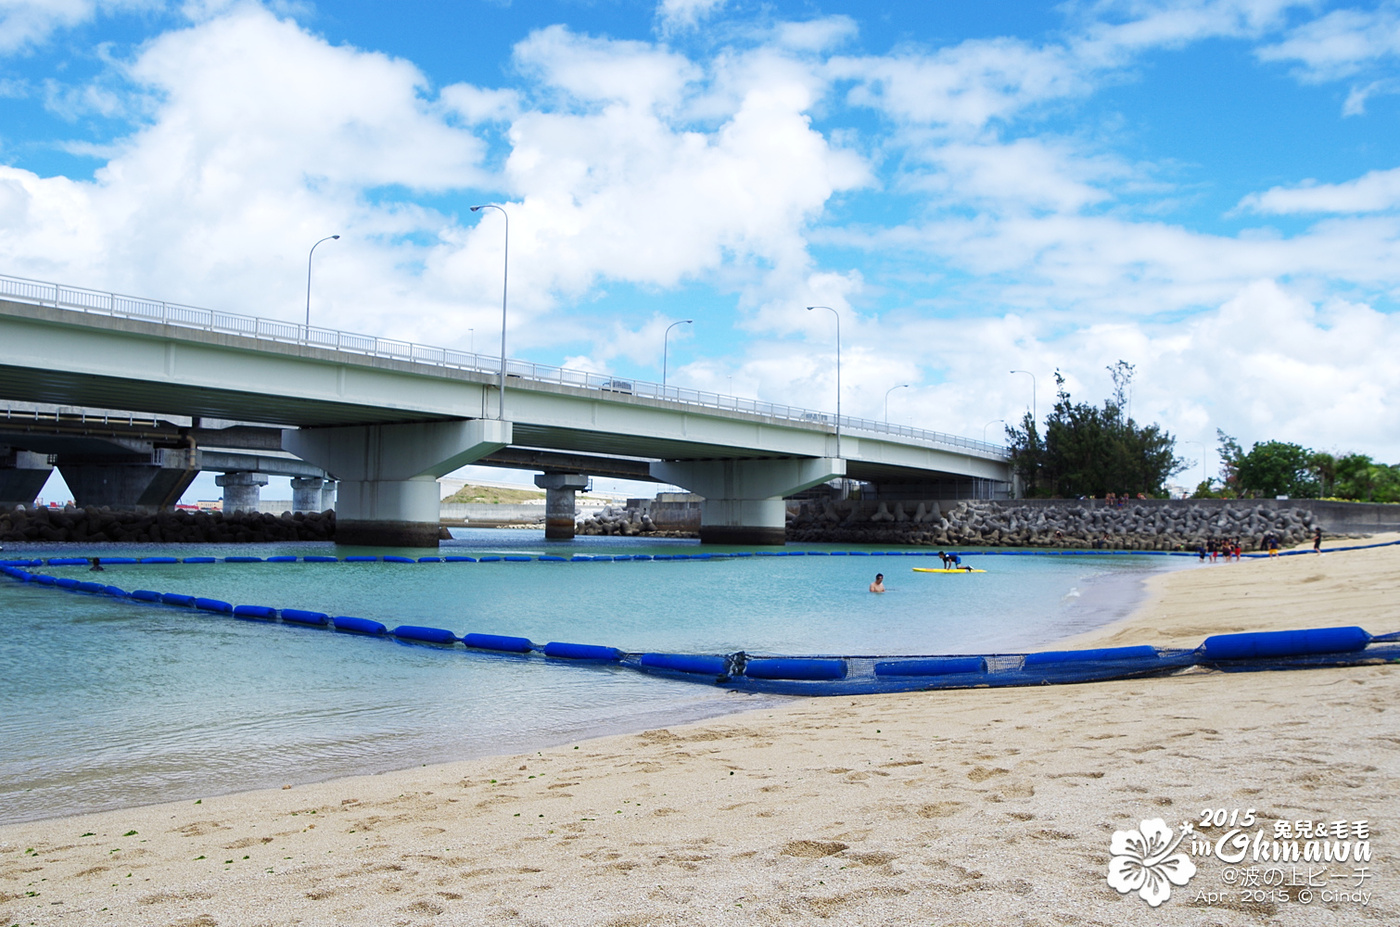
x=957, y=807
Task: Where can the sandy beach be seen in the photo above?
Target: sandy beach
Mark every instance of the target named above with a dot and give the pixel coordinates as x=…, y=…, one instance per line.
x=956, y=807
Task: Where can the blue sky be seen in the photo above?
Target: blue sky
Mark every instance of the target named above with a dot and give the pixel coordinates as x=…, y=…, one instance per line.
x=1207, y=190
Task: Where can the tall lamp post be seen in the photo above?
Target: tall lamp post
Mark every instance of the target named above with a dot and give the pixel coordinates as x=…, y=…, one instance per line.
x=838, y=372
x=887, y=399
x=309, y=255
x=988, y=425
x=505, y=279
x=665, y=345
x=1032, y=376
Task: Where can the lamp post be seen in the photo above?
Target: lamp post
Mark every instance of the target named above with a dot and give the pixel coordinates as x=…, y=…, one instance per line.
x=1032, y=376
x=308, y=281
x=505, y=280
x=989, y=424
x=664, y=345
x=838, y=372
x=887, y=399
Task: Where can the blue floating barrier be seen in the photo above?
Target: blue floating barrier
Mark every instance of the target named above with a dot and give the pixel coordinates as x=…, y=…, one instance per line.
x=358, y=625
x=361, y=559
x=243, y=560
x=318, y=558
x=498, y=642
x=685, y=663
x=763, y=553
x=118, y=560
x=302, y=616
x=282, y=559
x=176, y=598
x=115, y=591
x=642, y=557
x=1257, y=644
x=664, y=557
x=744, y=553
x=68, y=561
x=390, y=558
x=145, y=595
x=91, y=587
x=410, y=632
x=1096, y=655
x=489, y=560
x=214, y=605
x=858, y=553
x=550, y=558
x=516, y=559
x=594, y=652
x=840, y=553
x=430, y=560
x=459, y=559
x=935, y=666
x=173, y=560
x=43, y=580
x=795, y=668
x=262, y=612
x=66, y=582
x=818, y=553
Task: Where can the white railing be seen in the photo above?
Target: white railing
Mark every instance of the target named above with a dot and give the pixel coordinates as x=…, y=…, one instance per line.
x=274, y=330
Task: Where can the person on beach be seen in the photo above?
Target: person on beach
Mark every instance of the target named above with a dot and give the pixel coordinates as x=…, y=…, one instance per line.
x=1317, y=540
x=1201, y=551
x=96, y=566
x=1272, y=542
x=879, y=584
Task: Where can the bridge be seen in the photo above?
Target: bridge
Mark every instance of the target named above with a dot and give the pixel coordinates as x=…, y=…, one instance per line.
x=387, y=418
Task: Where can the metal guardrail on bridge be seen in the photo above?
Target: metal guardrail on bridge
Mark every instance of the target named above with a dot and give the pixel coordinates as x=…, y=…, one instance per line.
x=181, y=316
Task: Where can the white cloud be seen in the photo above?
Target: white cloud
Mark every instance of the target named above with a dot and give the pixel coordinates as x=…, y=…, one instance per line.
x=1377, y=191
x=28, y=23
x=679, y=15
x=1341, y=43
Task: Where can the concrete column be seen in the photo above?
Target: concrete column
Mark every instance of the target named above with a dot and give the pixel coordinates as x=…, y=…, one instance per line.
x=22, y=477
x=241, y=490
x=306, y=493
x=388, y=474
x=328, y=496
x=744, y=498
x=134, y=485
x=559, y=503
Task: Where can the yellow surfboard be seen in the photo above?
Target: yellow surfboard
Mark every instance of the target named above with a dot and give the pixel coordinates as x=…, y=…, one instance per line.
x=943, y=570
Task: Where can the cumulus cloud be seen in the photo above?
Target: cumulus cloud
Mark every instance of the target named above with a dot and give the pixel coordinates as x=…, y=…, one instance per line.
x=1340, y=43
x=678, y=15
x=28, y=23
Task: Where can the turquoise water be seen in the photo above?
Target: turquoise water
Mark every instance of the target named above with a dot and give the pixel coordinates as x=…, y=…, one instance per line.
x=108, y=703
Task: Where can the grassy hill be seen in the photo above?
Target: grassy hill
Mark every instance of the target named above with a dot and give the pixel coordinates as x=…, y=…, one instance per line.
x=494, y=495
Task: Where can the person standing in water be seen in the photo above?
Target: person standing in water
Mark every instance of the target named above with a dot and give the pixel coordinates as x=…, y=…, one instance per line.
x=879, y=584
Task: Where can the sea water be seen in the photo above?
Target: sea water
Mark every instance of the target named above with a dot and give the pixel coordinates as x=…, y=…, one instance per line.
x=109, y=703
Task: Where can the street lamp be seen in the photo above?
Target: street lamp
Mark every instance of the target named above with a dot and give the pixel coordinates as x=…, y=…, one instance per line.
x=308, y=281
x=989, y=424
x=887, y=399
x=664, y=346
x=1032, y=376
x=505, y=278
x=838, y=372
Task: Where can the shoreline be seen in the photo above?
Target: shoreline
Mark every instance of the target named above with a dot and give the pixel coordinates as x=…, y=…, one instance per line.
x=920, y=807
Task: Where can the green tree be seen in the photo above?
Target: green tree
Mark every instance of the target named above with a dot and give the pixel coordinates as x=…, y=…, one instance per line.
x=1270, y=468
x=1092, y=451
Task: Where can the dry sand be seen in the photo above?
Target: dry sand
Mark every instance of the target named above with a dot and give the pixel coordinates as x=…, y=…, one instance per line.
x=956, y=807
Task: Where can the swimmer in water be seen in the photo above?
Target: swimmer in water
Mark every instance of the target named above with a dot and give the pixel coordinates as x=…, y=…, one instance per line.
x=879, y=584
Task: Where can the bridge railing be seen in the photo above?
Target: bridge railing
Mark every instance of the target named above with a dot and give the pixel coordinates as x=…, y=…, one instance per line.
x=181, y=316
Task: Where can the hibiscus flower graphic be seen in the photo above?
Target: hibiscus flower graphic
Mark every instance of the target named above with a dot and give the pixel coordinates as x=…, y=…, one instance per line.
x=1142, y=861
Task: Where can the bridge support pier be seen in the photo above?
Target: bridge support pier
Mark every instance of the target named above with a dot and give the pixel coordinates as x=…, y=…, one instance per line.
x=744, y=498
x=306, y=493
x=22, y=477
x=388, y=494
x=328, y=496
x=241, y=490
x=560, y=506
x=131, y=485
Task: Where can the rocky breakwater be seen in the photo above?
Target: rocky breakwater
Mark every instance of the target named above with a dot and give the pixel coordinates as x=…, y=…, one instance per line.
x=628, y=522
x=100, y=525
x=1144, y=525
